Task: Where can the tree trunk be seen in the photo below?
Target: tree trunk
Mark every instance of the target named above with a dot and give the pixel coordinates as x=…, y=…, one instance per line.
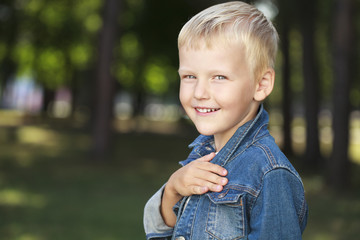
x=286, y=90
x=338, y=166
x=9, y=32
x=311, y=86
x=49, y=97
x=104, y=82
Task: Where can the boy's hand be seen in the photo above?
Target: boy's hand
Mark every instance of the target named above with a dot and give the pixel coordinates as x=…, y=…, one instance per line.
x=198, y=177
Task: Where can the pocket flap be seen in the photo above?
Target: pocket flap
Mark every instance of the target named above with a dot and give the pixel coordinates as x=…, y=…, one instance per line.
x=227, y=195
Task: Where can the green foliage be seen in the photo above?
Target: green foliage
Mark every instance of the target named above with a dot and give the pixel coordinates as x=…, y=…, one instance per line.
x=130, y=48
x=80, y=55
x=125, y=75
x=155, y=78
x=51, y=67
x=127, y=68
x=159, y=76
x=53, y=15
x=93, y=23
x=52, y=39
x=69, y=29
x=24, y=55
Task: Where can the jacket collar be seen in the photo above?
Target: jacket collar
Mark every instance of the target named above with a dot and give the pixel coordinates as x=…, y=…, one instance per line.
x=242, y=138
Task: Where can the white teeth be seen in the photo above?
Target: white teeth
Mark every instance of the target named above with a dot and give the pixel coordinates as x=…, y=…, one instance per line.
x=206, y=110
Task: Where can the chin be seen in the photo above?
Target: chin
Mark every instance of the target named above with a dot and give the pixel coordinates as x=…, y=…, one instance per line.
x=206, y=132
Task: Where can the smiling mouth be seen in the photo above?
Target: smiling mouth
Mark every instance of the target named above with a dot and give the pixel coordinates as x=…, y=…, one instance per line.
x=207, y=110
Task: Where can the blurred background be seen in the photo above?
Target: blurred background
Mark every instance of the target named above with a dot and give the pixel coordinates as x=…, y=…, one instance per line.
x=91, y=126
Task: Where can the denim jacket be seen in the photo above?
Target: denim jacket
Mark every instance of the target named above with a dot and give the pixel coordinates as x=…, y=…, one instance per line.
x=264, y=197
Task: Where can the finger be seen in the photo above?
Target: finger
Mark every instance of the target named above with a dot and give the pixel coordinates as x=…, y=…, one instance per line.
x=211, y=177
x=199, y=190
x=205, y=186
x=214, y=168
x=210, y=166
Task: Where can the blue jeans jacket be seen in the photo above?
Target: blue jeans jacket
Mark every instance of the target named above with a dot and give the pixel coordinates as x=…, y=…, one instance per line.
x=264, y=198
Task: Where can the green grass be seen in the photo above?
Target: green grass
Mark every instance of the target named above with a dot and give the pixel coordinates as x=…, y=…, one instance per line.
x=332, y=215
x=51, y=188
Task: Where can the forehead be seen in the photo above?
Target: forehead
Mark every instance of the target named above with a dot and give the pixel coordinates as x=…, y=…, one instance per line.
x=212, y=44
x=210, y=39
x=229, y=58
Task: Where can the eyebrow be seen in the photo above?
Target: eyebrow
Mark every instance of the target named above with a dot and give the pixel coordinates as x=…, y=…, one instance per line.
x=184, y=70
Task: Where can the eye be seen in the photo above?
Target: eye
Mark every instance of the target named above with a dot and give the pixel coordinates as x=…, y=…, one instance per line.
x=220, y=77
x=189, y=77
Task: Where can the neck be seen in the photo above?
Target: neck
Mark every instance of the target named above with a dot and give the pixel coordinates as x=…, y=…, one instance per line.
x=222, y=138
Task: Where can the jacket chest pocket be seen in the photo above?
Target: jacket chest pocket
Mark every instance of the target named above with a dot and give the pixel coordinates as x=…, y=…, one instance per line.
x=225, y=219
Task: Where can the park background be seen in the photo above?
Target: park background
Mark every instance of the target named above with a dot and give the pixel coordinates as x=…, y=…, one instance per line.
x=91, y=126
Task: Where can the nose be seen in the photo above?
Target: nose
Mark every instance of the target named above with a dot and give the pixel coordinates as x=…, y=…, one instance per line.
x=201, y=90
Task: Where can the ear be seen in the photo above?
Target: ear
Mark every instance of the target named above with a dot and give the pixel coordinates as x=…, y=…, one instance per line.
x=265, y=85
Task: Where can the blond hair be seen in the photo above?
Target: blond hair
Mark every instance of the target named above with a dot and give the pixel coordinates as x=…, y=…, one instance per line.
x=234, y=22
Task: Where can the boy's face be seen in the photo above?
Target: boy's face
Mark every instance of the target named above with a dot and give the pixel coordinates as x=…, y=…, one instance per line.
x=217, y=90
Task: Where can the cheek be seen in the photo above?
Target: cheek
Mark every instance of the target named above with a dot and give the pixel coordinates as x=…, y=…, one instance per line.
x=183, y=95
x=236, y=95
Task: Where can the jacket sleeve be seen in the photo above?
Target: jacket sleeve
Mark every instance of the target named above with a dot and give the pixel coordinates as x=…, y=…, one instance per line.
x=154, y=225
x=280, y=211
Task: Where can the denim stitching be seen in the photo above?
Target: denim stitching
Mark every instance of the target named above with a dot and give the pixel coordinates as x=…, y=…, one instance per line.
x=303, y=210
x=268, y=153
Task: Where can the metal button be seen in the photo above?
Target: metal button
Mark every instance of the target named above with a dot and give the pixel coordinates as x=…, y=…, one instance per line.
x=208, y=148
x=180, y=238
x=221, y=195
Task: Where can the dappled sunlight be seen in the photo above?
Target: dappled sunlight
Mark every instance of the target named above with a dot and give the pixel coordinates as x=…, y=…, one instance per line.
x=85, y=199
x=17, y=232
x=323, y=236
x=30, y=144
x=355, y=137
x=50, y=139
x=298, y=139
x=325, y=133
x=11, y=118
x=29, y=236
x=355, y=152
x=36, y=135
x=326, y=138
x=24, y=141
x=17, y=198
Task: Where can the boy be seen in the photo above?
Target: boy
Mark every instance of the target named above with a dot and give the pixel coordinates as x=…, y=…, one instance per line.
x=236, y=183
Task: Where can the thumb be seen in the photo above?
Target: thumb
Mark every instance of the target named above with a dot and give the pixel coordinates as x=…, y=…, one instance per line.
x=199, y=190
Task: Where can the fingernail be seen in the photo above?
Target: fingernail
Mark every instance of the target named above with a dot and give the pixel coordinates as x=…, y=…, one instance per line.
x=224, y=181
x=224, y=172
